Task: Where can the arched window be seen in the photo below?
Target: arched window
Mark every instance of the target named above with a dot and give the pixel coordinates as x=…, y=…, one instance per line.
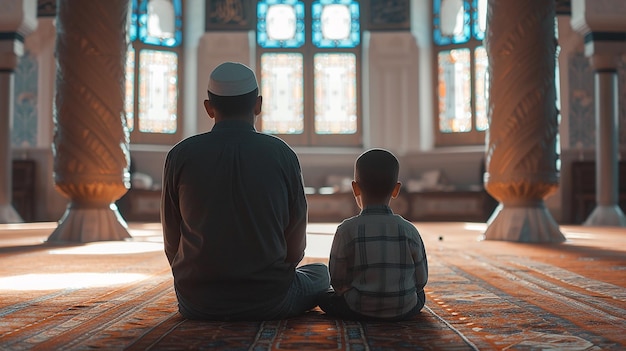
x=309, y=59
x=461, y=72
x=153, y=72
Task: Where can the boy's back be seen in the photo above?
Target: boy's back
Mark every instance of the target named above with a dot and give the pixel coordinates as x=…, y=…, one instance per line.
x=378, y=266
x=378, y=263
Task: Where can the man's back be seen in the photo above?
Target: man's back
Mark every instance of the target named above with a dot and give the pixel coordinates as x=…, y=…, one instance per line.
x=234, y=213
x=242, y=216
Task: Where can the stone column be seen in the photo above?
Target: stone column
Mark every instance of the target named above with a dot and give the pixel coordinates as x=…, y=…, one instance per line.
x=607, y=211
x=521, y=141
x=603, y=25
x=91, y=151
x=18, y=18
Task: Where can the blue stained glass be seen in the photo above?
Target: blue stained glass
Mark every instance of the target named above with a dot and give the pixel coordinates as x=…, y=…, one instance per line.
x=132, y=28
x=462, y=35
x=170, y=41
x=353, y=35
x=265, y=40
x=479, y=12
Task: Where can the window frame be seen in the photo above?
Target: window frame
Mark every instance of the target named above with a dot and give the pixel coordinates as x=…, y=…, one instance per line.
x=473, y=137
x=308, y=50
x=136, y=43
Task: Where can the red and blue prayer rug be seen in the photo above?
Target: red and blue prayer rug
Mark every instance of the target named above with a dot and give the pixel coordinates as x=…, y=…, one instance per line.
x=481, y=295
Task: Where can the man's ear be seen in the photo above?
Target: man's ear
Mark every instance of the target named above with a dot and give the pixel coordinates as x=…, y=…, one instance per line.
x=356, y=189
x=209, y=108
x=396, y=190
x=257, y=105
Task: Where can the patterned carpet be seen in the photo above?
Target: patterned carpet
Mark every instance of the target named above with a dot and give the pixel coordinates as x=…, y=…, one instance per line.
x=482, y=295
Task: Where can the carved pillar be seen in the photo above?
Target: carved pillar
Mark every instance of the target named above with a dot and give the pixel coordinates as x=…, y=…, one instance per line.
x=521, y=142
x=603, y=25
x=18, y=18
x=90, y=147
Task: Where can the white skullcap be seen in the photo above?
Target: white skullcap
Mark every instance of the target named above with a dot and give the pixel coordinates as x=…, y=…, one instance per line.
x=232, y=79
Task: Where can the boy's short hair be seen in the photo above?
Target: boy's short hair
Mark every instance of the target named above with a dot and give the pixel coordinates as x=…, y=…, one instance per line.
x=376, y=171
x=233, y=106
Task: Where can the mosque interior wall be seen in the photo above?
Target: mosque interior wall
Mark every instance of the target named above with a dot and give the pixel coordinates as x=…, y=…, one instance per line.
x=459, y=167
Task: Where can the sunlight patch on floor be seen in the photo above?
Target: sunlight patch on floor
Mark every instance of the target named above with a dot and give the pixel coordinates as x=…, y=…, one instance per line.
x=59, y=281
x=478, y=227
x=580, y=235
x=110, y=248
x=322, y=228
x=318, y=245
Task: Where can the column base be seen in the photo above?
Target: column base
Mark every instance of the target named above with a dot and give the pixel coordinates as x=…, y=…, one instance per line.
x=529, y=224
x=9, y=215
x=90, y=224
x=606, y=216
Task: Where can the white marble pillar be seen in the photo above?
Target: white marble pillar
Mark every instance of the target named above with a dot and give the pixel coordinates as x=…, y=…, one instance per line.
x=91, y=151
x=18, y=18
x=603, y=26
x=521, y=141
x=7, y=212
x=607, y=211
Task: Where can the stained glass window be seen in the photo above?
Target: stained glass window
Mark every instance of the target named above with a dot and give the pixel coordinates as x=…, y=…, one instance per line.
x=152, y=70
x=160, y=22
x=335, y=24
x=481, y=87
x=132, y=26
x=282, y=91
x=455, y=113
x=280, y=24
x=462, y=71
x=129, y=103
x=158, y=91
x=451, y=21
x=480, y=19
x=307, y=54
x=335, y=101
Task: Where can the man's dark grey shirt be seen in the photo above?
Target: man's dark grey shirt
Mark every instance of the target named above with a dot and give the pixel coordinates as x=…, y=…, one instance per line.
x=234, y=218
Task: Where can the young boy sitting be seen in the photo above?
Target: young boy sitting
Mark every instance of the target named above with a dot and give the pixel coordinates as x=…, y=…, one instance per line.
x=378, y=265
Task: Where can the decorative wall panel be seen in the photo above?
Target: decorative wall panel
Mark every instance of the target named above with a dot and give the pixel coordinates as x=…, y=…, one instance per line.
x=230, y=14
x=582, y=123
x=389, y=15
x=46, y=8
x=582, y=126
x=24, y=126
